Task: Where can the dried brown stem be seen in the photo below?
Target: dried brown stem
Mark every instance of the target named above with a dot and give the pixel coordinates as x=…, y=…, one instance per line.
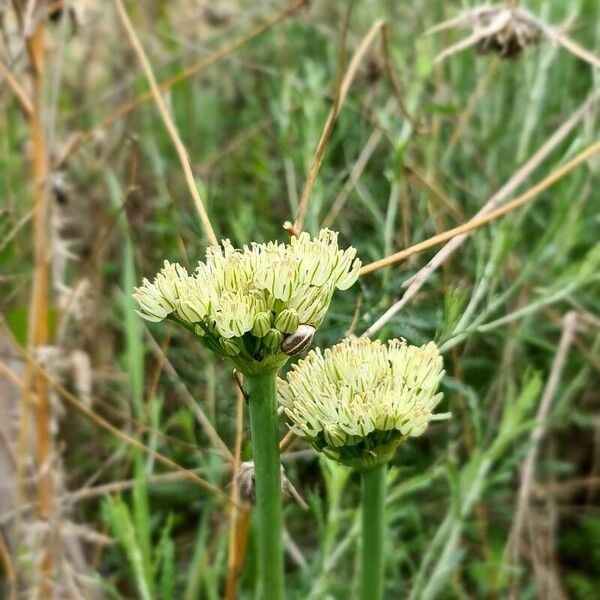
x=355, y=174
x=288, y=439
x=17, y=227
x=35, y=391
x=417, y=281
x=570, y=45
x=477, y=222
x=168, y=121
x=397, y=91
x=329, y=123
x=190, y=402
x=431, y=187
x=195, y=69
x=10, y=573
x=96, y=491
x=527, y=472
x=104, y=424
x=18, y=91
x=465, y=115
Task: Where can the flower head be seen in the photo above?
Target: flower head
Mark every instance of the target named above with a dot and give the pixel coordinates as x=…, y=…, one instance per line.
x=245, y=303
x=358, y=400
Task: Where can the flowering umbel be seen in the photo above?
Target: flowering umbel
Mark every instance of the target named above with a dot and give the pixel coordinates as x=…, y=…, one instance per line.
x=245, y=304
x=358, y=400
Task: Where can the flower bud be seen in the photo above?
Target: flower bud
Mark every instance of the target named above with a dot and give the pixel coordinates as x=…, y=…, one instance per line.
x=272, y=340
x=230, y=347
x=262, y=324
x=287, y=321
x=190, y=309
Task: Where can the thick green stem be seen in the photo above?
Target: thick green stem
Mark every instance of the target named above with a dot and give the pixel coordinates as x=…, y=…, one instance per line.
x=373, y=524
x=265, y=444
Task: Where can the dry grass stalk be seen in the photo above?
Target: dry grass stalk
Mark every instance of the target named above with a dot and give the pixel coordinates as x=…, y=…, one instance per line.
x=6, y=239
x=35, y=391
x=355, y=174
x=88, y=492
x=168, y=121
x=126, y=421
x=393, y=81
x=104, y=424
x=436, y=192
x=565, y=488
x=98, y=491
x=190, y=402
x=236, y=142
x=137, y=427
x=340, y=96
x=196, y=69
x=379, y=27
x=414, y=284
x=6, y=560
x=287, y=440
x=17, y=89
x=527, y=472
x=477, y=222
x=474, y=98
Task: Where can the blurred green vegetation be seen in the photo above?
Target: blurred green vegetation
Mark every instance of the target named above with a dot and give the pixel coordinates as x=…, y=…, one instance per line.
x=251, y=125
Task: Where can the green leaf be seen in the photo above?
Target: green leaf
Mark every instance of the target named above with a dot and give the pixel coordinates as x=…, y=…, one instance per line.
x=117, y=516
x=164, y=561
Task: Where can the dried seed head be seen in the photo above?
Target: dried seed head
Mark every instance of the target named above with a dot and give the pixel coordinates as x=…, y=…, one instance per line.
x=245, y=479
x=504, y=30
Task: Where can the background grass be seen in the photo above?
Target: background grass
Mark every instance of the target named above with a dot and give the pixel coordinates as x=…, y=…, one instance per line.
x=251, y=125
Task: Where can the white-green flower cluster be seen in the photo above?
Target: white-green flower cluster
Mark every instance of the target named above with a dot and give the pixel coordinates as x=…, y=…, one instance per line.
x=359, y=399
x=244, y=302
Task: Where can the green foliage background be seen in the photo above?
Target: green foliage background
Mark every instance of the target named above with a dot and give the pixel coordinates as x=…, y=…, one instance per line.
x=251, y=125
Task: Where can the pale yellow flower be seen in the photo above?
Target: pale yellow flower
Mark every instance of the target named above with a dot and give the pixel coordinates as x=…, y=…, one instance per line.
x=252, y=297
x=153, y=305
x=359, y=399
